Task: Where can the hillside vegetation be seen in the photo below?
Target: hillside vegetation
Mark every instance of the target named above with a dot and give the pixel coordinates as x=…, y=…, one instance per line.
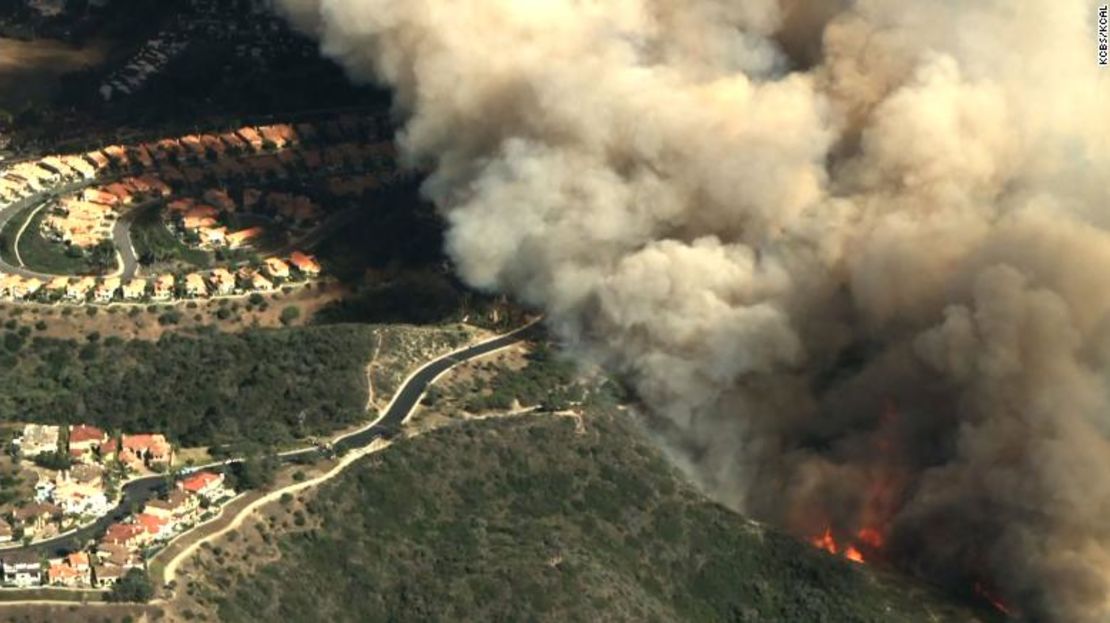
x=210, y=388
x=531, y=519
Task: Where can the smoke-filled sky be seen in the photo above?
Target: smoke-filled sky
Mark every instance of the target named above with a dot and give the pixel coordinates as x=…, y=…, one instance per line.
x=854, y=256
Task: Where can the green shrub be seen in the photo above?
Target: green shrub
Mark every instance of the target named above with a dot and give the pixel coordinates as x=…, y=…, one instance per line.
x=290, y=314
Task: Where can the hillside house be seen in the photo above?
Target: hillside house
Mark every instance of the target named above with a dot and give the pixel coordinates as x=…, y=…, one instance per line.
x=98, y=160
x=73, y=571
x=21, y=569
x=157, y=528
x=100, y=196
x=37, y=439
x=205, y=484
x=58, y=285
x=128, y=535
x=213, y=236
x=8, y=283
x=163, y=287
x=37, y=519
x=107, y=574
x=222, y=281
x=119, y=555
x=85, y=437
x=134, y=290
x=251, y=137
x=179, y=506
x=79, y=165
x=106, y=290
x=78, y=499
x=252, y=280
x=199, y=216
x=26, y=288
x=240, y=238
x=117, y=154
x=305, y=264
x=143, y=155
x=149, y=449
x=194, y=285
x=276, y=268
x=79, y=290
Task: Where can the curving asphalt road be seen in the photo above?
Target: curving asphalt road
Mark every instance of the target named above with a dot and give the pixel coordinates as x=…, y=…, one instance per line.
x=14, y=209
x=136, y=492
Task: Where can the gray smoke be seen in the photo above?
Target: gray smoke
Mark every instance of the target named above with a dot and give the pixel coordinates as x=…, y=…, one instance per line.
x=853, y=255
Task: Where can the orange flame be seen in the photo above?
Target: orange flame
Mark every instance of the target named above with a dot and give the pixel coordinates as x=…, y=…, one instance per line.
x=828, y=543
x=853, y=554
x=825, y=542
x=879, y=491
x=870, y=537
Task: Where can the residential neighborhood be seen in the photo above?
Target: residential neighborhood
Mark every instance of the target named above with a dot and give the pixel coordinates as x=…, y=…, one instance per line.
x=81, y=469
x=220, y=282
x=212, y=193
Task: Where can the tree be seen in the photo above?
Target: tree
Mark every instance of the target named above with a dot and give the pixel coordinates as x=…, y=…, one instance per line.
x=290, y=314
x=254, y=471
x=57, y=461
x=134, y=587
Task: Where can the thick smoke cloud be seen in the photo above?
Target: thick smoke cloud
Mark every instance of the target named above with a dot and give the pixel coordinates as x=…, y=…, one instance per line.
x=852, y=255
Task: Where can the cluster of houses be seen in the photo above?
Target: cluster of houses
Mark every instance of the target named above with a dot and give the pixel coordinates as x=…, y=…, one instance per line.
x=198, y=222
x=68, y=497
x=151, y=58
x=270, y=151
x=124, y=544
x=85, y=216
x=165, y=287
x=26, y=179
x=85, y=219
x=78, y=488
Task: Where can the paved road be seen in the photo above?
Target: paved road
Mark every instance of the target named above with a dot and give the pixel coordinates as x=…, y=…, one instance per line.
x=137, y=492
x=121, y=239
x=12, y=210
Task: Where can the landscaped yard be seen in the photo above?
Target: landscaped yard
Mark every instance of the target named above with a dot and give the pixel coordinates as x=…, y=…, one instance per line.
x=42, y=255
x=154, y=243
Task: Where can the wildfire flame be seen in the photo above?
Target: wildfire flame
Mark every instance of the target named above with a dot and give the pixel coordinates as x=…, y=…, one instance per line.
x=827, y=542
x=871, y=537
x=853, y=554
x=992, y=599
x=880, y=497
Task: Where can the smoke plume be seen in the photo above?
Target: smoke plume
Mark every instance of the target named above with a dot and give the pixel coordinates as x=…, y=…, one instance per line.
x=851, y=254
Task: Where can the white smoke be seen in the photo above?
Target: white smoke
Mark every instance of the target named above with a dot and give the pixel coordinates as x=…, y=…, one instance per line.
x=852, y=255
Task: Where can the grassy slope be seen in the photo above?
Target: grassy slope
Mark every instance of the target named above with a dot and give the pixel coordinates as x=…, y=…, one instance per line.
x=524, y=519
x=40, y=254
x=153, y=240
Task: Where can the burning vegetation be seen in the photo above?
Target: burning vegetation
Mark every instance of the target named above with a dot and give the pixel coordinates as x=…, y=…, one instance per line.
x=775, y=217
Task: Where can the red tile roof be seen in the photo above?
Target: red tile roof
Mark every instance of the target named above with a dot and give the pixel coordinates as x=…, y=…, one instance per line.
x=122, y=532
x=82, y=432
x=200, y=481
x=150, y=523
